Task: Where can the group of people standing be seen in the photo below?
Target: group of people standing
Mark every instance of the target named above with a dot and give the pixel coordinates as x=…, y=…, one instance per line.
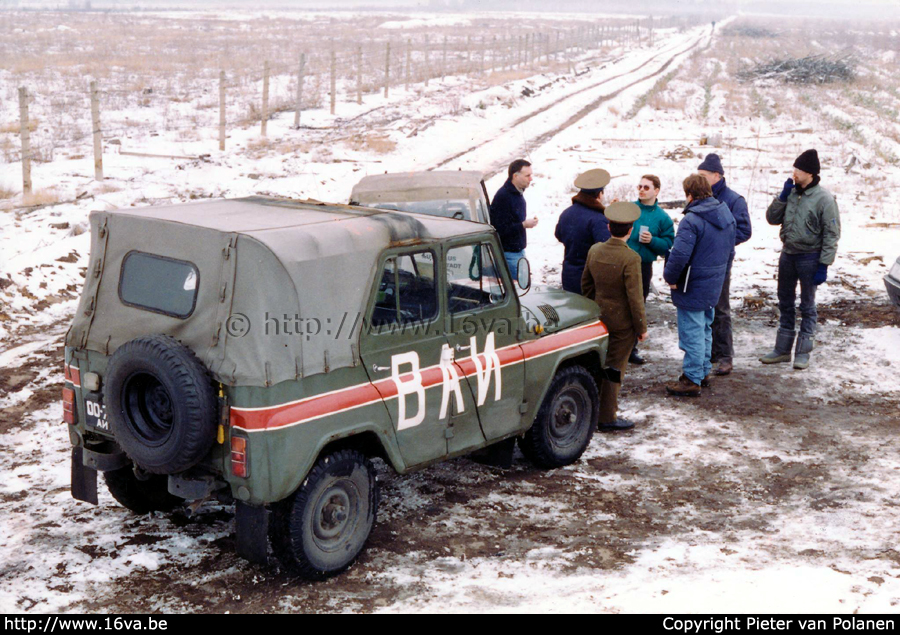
x=610, y=251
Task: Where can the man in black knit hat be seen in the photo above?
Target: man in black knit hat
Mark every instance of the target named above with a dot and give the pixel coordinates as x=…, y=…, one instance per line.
x=810, y=230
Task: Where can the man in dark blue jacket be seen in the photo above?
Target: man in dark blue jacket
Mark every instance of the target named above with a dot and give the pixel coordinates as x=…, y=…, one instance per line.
x=508, y=214
x=695, y=271
x=723, y=341
x=582, y=225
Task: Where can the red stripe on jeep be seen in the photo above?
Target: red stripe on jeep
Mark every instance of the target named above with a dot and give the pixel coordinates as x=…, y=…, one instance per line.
x=508, y=355
x=564, y=339
x=279, y=416
x=72, y=374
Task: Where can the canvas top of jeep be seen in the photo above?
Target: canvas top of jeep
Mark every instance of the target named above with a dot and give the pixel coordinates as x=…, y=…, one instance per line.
x=288, y=249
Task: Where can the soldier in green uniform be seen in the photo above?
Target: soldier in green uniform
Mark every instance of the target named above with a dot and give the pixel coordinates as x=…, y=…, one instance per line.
x=612, y=278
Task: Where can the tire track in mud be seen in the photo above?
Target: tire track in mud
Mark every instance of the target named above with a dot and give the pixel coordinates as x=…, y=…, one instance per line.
x=578, y=116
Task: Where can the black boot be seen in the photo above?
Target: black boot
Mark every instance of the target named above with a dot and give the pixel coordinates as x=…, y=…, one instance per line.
x=635, y=359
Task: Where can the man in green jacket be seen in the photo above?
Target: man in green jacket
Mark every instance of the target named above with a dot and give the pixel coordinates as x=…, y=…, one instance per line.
x=810, y=230
x=653, y=235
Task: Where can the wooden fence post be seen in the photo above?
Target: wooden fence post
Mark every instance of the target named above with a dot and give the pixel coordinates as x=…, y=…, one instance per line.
x=333, y=78
x=483, y=53
x=494, y=56
x=95, y=124
x=427, y=56
x=221, y=111
x=408, y=60
x=26, y=141
x=359, y=63
x=265, y=99
x=299, y=91
x=387, y=67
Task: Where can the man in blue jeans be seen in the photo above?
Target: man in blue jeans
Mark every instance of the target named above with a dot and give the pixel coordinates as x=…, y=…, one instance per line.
x=508, y=214
x=695, y=271
x=810, y=230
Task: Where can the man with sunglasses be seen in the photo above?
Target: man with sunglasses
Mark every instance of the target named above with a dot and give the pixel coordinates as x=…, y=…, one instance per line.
x=582, y=225
x=653, y=237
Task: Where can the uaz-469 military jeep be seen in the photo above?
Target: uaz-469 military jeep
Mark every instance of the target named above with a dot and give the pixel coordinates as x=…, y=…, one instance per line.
x=263, y=351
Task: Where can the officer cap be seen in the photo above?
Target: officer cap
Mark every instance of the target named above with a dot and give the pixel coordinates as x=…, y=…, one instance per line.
x=622, y=212
x=592, y=180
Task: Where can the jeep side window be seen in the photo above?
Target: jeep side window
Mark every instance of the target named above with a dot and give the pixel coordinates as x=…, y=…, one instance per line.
x=473, y=279
x=406, y=290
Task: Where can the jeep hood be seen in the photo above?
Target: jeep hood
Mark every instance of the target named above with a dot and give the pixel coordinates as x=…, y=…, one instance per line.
x=555, y=309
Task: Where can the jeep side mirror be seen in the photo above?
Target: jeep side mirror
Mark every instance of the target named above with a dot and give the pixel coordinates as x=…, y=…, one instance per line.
x=523, y=279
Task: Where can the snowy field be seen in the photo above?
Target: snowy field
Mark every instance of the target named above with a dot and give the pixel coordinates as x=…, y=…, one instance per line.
x=775, y=491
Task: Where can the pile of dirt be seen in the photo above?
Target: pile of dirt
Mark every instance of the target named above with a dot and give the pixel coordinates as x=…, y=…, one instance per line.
x=865, y=313
x=812, y=69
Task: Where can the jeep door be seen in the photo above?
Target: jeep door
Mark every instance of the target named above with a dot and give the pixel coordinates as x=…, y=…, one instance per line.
x=483, y=319
x=483, y=208
x=404, y=348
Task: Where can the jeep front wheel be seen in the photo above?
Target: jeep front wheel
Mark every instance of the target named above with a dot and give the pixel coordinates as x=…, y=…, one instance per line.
x=565, y=421
x=321, y=529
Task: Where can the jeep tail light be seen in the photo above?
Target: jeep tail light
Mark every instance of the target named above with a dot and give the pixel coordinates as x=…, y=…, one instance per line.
x=239, y=465
x=68, y=405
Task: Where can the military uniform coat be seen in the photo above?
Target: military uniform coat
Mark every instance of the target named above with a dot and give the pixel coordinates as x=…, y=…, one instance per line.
x=612, y=279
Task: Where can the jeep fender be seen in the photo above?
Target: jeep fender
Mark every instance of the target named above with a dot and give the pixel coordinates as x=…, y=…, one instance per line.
x=370, y=437
x=538, y=373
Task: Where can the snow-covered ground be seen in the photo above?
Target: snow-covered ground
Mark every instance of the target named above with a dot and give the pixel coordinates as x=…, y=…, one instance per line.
x=774, y=491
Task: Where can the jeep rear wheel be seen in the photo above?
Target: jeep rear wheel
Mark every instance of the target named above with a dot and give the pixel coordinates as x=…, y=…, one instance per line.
x=565, y=421
x=141, y=497
x=161, y=404
x=321, y=529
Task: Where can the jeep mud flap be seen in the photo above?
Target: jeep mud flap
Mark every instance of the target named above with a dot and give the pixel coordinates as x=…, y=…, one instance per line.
x=86, y=464
x=251, y=532
x=84, y=479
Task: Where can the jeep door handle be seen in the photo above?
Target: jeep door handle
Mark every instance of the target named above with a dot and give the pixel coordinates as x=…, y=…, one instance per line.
x=380, y=369
x=460, y=347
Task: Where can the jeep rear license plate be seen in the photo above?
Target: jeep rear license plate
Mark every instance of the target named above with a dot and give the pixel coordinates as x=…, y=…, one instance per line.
x=95, y=412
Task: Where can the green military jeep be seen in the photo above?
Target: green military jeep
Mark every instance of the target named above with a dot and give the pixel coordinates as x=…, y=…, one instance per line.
x=264, y=351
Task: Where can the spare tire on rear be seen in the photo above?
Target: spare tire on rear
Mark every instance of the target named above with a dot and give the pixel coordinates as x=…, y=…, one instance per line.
x=161, y=404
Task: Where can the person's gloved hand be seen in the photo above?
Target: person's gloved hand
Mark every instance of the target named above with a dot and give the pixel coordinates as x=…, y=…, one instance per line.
x=821, y=274
x=788, y=186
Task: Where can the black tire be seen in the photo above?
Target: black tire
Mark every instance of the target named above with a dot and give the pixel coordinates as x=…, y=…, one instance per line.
x=141, y=497
x=565, y=421
x=320, y=530
x=161, y=404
